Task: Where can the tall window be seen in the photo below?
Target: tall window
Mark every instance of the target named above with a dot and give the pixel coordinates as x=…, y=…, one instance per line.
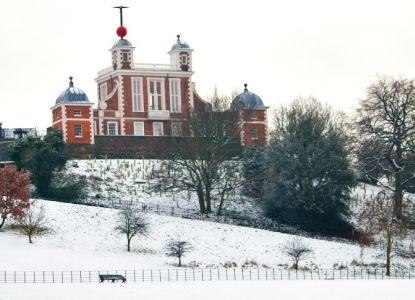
x=138, y=128
x=103, y=91
x=136, y=84
x=254, y=133
x=112, y=128
x=157, y=128
x=155, y=94
x=78, y=130
x=77, y=113
x=175, y=105
x=176, y=128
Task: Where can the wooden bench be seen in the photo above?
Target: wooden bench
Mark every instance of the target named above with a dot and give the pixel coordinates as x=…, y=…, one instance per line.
x=111, y=277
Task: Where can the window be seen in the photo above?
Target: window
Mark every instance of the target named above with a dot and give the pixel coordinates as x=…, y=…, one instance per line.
x=254, y=133
x=138, y=128
x=253, y=116
x=157, y=128
x=125, y=56
x=155, y=94
x=136, y=84
x=183, y=59
x=176, y=128
x=78, y=130
x=103, y=91
x=175, y=102
x=112, y=128
x=77, y=113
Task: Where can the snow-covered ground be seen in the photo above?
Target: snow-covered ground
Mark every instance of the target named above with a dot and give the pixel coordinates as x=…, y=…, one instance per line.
x=240, y=290
x=83, y=238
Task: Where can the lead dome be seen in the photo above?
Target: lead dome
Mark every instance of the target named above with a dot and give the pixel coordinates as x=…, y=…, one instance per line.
x=247, y=99
x=72, y=95
x=180, y=44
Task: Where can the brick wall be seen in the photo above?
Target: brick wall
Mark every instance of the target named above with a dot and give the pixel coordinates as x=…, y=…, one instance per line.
x=136, y=147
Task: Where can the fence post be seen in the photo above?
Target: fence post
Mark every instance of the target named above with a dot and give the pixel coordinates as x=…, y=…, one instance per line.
x=168, y=275
x=151, y=274
x=281, y=273
x=234, y=274
x=14, y=276
x=177, y=275
x=24, y=276
x=89, y=276
x=71, y=277
x=243, y=274
x=43, y=276
x=193, y=274
x=80, y=276
x=226, y=273
x=250, y=273
x=160, y=274
x=62, y=276
x=142, y=274
x=185, y=275
x=34, y=276
x=202, y=274
x=210, y=273
x=218, y=274
x=311, y=273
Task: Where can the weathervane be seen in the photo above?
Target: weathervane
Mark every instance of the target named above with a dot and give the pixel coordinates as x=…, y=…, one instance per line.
x=121, y=30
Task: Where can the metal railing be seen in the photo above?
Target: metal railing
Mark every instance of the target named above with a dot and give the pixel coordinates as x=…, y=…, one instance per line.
x=203, y=274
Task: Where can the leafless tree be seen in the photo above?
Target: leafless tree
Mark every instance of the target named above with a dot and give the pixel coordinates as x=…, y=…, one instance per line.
x=377, y=217
x=131, y=222
x=34, y=222
x=177, y=248
x=387, y=129
x=296, y=249
x=202, y=164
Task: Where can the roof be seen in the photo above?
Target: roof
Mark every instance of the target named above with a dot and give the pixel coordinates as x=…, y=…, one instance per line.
x=180, y=44
x=247, y=99
x=122, y=43
x=72, y=95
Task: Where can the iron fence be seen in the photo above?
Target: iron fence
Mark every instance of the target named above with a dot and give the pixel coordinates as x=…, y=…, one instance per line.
x=203, y=274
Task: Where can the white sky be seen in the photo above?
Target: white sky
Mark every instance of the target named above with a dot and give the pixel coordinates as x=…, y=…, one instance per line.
x=282, y=48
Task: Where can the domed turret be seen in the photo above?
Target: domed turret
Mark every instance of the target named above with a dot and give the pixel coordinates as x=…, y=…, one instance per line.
x=181, y=55
x=247, y=99
x=72, y=95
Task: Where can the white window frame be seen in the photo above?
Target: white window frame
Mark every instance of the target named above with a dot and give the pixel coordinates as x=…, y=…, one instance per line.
x=103, y=91
x=154, y=128
x=151, y=96
x=175, y=95
x=176, y=128
x=137, y=96
x=77, y=113
x=78, y=133
x=108, y=127
x=137, y=130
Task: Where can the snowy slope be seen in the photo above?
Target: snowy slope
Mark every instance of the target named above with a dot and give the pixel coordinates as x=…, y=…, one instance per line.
x=84, y=239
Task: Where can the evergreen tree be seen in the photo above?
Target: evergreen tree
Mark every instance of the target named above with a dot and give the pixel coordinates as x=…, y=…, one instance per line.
x=254, y=170
x=310, y=175
x=40, y=157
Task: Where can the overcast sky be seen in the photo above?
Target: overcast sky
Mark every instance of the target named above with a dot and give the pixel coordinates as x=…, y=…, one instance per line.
x=282, y=48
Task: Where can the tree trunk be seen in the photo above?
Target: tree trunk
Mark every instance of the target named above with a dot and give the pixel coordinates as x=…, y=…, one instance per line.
x=30, y=239
x=201, y=199
x=388, y=251
x=208, y=201
x=3, y=219
x=222, y=200
x=397, y=201
x=128, y=244
x=180, y=261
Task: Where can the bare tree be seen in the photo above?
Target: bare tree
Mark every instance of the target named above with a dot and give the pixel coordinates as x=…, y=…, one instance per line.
x=34, y=222
x=202, y=163
x=131, y=222
x=387, y=128
x=377, y=217
x=296, y=249
x=177, y=248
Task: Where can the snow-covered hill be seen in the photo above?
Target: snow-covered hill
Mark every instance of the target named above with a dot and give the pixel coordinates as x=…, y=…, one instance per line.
x=84, y=238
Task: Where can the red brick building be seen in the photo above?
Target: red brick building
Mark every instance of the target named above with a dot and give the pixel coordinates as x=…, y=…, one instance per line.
x=136, y=99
